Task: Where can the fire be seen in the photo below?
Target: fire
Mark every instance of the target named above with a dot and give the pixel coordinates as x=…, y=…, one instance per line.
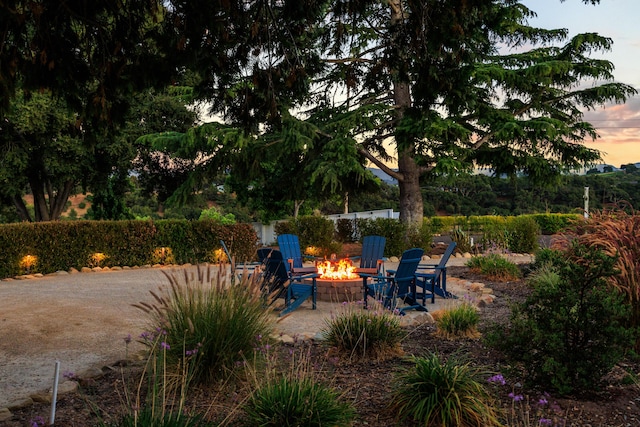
x=339, y=270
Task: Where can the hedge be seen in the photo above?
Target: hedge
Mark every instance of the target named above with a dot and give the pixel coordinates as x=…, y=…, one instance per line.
x=73, y=244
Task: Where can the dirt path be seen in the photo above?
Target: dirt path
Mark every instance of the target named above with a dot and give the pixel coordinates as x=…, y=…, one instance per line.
x=80, y=320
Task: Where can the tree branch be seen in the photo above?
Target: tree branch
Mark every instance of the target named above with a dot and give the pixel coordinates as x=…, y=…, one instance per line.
x=386, y=169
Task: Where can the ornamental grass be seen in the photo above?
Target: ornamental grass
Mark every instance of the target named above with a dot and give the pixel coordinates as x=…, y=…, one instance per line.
x=219, y=317
x=434, y=392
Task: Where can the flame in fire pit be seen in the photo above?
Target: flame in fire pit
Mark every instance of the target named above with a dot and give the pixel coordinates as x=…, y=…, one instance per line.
x=340, y=270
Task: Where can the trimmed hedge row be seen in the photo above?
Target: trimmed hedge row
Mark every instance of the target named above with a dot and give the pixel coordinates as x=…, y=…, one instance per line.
x=550, y=223
x=65, y=244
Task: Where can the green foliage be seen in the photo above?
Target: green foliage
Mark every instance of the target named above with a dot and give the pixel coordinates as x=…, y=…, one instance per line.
x=393, y=230
x=495, y=236
x=460, y=321
x=345, y=230
x=443, y=393
x=421, y=237
x=312, y=231
x=547, y=256
x=495, y=267
x=522, y=235
x=571, y=330
x=363, y=334
x=291, y=402
x=554, y=223
x=44, y=151
x=616, y=233
x=62, y=245
x=215, y=215
x=462, y=240
x=315, y=231
x=222, y=320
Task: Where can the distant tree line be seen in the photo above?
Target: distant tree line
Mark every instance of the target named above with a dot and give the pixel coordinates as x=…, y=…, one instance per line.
x=461, y=195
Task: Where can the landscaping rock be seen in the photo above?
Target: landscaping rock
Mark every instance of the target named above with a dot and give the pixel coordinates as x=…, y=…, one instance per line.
x=5, y=414
x=20, y=403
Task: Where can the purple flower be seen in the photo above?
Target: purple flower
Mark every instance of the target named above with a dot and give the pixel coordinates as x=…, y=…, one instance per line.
x=544, y=422
x=165, y=346
x=147, y=336
x=516, y=397
x=543, y=401
x=69, y=375
x=127, y=339
x=498, y=378
x=38, y=421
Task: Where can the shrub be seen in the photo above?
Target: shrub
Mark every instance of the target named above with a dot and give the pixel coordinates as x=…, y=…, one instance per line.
x=494, y=236
x=460, y=321
x=462, y=240
x=215, y=215
x=570, y=331
x=297, y=402
x=546, y=256
x=222, y=319
x=393, y=230
x=448, y=393
x=422, y=237
x=364, y=333
x=522, y=235
x=494, y=267
x=293, y=397
x=555, y=223
x=345, y=230
x=312, y=231
x=617, y=233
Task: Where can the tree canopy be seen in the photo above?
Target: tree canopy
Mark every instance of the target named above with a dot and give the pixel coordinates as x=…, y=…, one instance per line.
x=318, y=88
x=435, y=86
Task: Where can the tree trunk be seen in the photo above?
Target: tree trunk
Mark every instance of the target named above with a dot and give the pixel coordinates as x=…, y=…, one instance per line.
x=22, y=210
x=346, y=202
x=296, y=207
x=39, y=200
x=411, y=206
x=58, y=202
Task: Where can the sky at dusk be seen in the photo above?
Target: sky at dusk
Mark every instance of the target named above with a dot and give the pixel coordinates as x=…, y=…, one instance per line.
x=618, y=125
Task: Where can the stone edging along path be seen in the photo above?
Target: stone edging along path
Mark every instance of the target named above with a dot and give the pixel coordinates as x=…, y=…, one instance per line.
x=81, y=320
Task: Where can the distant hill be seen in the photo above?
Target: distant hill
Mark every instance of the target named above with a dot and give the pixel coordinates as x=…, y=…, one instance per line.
x=383, y=176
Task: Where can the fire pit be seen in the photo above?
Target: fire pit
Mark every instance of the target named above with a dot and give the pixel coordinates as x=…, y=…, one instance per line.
x=338, y=281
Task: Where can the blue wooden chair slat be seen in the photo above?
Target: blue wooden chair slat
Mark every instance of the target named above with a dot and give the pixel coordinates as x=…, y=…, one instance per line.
x=371, y=260
x=289, y=245
x=434, y=277
x=296, y=289
x=396, y=284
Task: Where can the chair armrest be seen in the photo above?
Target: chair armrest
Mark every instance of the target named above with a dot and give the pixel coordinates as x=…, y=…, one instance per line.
x=307, y=276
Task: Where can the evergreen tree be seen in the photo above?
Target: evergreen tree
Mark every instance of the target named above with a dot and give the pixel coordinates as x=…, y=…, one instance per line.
x=426, y=80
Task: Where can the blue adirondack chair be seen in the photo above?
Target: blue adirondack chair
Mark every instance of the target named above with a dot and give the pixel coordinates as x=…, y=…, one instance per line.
x=297, y=289
x=397, y=284
x=290, y=247
x=372, y=258
x=432, y=278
